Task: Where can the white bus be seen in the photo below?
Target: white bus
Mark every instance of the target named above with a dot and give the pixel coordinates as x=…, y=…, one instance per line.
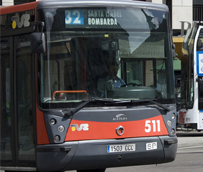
x=191, y=86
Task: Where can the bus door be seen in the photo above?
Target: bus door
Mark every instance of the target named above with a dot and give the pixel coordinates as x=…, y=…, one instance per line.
x=17, y=130
x=199, y=80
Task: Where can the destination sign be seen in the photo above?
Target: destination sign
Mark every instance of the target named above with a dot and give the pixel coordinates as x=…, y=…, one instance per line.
x=92, y=17
x=106, y=18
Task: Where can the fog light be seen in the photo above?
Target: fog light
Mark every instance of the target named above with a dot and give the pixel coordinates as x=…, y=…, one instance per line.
x=173, y=131
x=56, y=138
x=173, y=116
x=61, y=128
x=169, y=123
x=52, y=121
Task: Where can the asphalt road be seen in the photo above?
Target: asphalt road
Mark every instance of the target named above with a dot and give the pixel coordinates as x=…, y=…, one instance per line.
x=185, y=162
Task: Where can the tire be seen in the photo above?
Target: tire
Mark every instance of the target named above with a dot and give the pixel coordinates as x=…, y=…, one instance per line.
x=95, y=170
x=14, y=171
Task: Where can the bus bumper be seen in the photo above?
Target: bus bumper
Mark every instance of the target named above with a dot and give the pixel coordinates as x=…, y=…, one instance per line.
x=92, y=154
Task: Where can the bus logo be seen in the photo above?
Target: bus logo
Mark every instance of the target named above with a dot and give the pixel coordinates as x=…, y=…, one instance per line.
x=120, y=117
x=83, y=127
x=20, y=22
x=120, y=130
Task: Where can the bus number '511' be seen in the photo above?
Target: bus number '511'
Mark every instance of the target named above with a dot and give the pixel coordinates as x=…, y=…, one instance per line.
x=153, y=125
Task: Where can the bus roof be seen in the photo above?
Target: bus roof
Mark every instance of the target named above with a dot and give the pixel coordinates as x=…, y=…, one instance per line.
x=75, y=3
x=87, y=3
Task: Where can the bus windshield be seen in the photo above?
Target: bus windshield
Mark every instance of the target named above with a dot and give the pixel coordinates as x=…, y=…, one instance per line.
x=112, y=52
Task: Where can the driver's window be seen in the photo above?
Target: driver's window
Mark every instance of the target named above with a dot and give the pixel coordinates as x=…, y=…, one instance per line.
x=51, y=77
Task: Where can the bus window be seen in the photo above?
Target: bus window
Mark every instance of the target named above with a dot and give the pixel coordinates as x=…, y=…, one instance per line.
x=187, y=70
x=89, y=59
x=5, y=100
x=24, y=99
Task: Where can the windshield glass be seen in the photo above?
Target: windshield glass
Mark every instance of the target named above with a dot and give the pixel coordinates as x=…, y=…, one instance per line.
x=117, y=53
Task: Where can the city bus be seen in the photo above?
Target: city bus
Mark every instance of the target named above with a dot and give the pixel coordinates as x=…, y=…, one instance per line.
x=57, y=115
x=191, y=82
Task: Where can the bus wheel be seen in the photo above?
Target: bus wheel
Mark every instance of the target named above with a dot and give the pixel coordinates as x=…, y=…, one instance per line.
x=95, y=170
x=14, y=171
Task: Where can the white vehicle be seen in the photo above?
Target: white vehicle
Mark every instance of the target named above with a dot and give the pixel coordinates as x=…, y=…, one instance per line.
x=191, y=97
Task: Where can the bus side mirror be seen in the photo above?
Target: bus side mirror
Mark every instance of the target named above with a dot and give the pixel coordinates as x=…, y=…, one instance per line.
x=37, y=42
x=199, y=45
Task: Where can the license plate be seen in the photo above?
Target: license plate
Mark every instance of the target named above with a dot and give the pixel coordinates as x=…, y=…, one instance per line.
x=121, y=148
x=151, y=146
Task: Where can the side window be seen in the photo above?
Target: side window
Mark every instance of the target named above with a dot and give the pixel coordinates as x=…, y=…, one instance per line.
x=200, y=84
x=24, y=97
x=200, y=41
x=187, y=70
x=5, y=100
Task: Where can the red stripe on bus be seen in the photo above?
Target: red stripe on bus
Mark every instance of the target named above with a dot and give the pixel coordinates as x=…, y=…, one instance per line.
x=42, y=136
x=107, y=130
x=18, y=8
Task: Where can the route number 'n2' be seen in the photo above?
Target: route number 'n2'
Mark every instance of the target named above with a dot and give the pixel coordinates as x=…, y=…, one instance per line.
x=152, y=125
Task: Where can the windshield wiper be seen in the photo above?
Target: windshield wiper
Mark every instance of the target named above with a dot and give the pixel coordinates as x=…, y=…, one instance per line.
x=69, y=113
x=158, y=104
x=152, y=101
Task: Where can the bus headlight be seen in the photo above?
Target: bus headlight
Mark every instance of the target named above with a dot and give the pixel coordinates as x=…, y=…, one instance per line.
x=173, y=131
x=173, y=116
x=52, y=121
x=169, y=123
x=61, y=128
x=56, y=138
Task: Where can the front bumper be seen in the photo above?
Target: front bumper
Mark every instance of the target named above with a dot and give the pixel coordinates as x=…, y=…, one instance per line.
x=92, y=154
